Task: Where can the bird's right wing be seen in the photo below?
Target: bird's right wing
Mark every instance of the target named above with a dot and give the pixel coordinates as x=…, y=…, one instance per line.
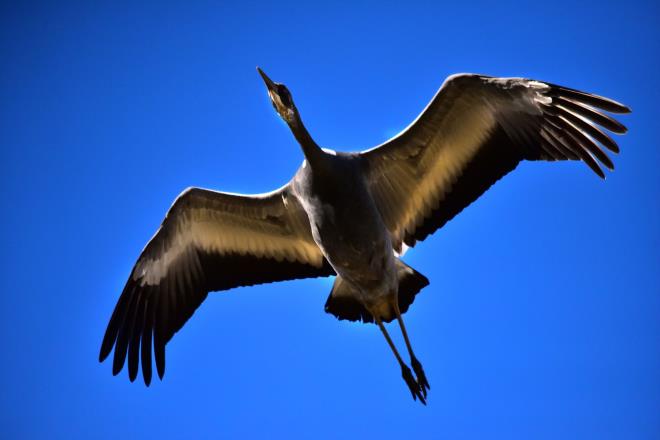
x=208, y=241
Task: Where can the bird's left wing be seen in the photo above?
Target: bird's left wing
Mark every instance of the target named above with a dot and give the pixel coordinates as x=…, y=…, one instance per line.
x=208, y=241
x=473, y=132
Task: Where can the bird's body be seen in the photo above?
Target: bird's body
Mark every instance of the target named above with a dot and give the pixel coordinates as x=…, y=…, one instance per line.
x=353, y=214
x=347, y=226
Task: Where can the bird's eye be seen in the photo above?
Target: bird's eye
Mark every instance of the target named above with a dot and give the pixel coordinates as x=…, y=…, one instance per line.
x=285, y=96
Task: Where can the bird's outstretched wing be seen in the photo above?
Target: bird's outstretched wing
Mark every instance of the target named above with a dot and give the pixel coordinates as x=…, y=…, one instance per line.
x=473, y=132
x=208, y=241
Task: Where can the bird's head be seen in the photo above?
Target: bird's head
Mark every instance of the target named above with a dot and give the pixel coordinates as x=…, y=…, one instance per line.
x=280, y=97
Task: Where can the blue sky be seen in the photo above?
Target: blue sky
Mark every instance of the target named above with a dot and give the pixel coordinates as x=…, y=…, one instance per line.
x=542, y=319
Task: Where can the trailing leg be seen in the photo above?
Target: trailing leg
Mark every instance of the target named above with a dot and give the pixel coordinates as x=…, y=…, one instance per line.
x=415, y=389
x=416, y=365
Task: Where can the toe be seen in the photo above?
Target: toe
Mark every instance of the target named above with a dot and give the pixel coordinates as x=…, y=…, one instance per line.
x=421, y=377
x=415, y=389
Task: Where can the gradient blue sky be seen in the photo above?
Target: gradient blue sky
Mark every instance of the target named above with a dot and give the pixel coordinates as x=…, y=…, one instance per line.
x=543, y=316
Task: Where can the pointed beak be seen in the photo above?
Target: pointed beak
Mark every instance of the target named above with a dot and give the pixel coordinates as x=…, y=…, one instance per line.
x=269, y=83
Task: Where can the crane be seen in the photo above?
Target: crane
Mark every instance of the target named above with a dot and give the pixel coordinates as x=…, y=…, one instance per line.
x=353, y=214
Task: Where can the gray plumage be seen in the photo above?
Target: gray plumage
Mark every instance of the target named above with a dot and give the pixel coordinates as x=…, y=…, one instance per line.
x=353, y=214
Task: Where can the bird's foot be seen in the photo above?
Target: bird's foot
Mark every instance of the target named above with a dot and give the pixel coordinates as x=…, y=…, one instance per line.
x=414, y=387
x=421, y=377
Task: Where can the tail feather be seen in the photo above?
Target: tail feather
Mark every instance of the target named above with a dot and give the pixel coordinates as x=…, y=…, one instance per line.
x=343, y=303
x=411, y=283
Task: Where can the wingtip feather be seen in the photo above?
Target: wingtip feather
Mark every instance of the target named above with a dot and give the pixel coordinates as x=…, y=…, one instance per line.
x=104, y=352
x=591, y=99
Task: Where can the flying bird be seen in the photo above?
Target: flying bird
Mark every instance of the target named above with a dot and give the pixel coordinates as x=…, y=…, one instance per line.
x=354, y=214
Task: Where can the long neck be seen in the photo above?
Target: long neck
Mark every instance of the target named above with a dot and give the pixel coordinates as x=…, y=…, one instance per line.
x=311, y=150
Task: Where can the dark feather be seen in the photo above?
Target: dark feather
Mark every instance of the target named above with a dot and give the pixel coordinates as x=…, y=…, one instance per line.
x=116, y=320
x=124, y=334
x=147, y=336
x=134, y=348
x=588, y=128
x=550, y=138
x=588, y=98
x=599, y=118
x=160, y=332
x=587, y=143
x=575, y=147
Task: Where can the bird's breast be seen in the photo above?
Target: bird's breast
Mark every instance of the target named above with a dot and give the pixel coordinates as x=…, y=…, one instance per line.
x=354, y=240
x=346, y=224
